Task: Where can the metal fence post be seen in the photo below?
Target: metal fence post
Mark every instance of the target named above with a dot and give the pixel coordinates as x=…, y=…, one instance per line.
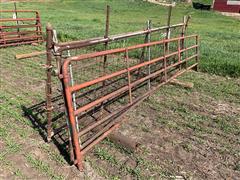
x=168, y=27
x=129, y=76
x=197, y=52
x=49, y=107
x=149, y=24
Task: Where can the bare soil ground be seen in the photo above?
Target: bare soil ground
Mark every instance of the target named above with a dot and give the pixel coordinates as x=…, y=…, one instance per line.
x=184, y=133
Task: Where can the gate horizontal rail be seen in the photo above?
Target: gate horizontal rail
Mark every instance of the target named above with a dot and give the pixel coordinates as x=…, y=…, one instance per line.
x=78, y=44
x=159, y=71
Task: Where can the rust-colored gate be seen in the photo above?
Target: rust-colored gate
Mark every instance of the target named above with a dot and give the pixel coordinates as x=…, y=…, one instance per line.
x=96, y=101
x=18, y=27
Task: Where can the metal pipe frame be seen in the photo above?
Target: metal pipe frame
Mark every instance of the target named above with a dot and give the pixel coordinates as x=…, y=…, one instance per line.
x=84, y=43
x=113, y=120
x=16, y=36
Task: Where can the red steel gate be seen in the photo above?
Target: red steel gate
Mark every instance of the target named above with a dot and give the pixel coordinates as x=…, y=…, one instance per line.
x=96, y=101
x=17, y=28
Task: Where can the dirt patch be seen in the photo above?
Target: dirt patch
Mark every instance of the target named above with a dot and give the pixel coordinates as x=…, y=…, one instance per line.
x=183, y=133
x=188, y=133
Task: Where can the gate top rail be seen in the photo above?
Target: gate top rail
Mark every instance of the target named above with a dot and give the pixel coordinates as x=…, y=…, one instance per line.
x=18, y=19
x=30, y=11
x=119, y=50
x=78, y=44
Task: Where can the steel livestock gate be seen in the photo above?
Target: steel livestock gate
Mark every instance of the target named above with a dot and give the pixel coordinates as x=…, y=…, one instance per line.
x=18, y=27
x=100, y=86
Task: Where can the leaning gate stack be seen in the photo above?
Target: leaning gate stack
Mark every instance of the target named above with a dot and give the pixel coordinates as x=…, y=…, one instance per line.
x=102, y=78
x=99, y=79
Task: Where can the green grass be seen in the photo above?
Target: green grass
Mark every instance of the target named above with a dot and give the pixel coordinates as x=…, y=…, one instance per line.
x=85, y=19
x=22, y=84
x=42, y=167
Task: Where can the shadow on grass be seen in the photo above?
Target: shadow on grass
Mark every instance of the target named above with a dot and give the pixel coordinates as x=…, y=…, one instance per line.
x=37, y=115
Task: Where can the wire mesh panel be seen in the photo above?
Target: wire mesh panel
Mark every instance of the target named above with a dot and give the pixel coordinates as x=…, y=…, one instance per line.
x=98, y=90
x=19, y=27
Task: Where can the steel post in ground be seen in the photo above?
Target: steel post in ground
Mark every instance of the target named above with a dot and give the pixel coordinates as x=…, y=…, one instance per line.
x=49, y=107
x=184, y=29
x=105, y=46
x=165, y=62
x=149, y=24
x=129, y=76
x=15, y=8
x=106, y=36
x=168, y=32
x=197, y=52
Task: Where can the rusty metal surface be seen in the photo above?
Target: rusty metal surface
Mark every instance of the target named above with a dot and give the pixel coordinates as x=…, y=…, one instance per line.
x=101, y=80
x=134, y=75
x=16, y=30
x=84, y=43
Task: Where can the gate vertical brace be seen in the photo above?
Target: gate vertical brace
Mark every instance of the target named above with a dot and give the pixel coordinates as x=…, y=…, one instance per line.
x=165, y=62
x=197, y=52
x=149, y=26
x=142, y=58
x=38, y=25
x=106, y=36
x=58, y=57
x=184, y=28
x=105, y=47
x=49, y=107
x=129, y=76
x=59, y=72
x=1, y=34
x=75, y=136
x=168, y=29
x=179, y=52
x=15, y=9
x=74, y=97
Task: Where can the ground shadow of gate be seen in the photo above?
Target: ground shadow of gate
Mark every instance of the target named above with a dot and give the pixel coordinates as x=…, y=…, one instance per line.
x=37, y=116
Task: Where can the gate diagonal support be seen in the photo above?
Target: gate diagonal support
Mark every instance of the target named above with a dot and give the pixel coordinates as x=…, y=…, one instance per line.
x=100, y=86
x=17, y=29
